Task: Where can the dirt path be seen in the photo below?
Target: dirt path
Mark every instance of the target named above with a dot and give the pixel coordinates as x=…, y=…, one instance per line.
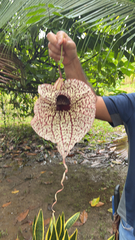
x=36, y=175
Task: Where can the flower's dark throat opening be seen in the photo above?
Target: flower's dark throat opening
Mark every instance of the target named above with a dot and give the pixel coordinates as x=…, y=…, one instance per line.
x=63, y=103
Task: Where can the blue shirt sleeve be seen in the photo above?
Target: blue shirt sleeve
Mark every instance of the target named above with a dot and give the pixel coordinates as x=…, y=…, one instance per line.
x=120, y=107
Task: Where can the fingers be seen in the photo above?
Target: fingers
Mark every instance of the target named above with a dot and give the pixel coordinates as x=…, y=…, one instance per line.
x=58, y=39
x=56, y=57
x=54, y=52
x=54, y=45
x=53, y=39
x=62, y=37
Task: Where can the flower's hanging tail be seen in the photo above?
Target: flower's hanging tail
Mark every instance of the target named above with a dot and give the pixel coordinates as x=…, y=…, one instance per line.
x=62, y=180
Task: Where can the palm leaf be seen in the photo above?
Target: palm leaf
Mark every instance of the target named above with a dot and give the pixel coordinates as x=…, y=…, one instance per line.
x=97, y=18
x=91, y=12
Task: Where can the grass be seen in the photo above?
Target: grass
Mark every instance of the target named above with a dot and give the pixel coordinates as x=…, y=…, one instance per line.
x=3, y=233
x=128, y=85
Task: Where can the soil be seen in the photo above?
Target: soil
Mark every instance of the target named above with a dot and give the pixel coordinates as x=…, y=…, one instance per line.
x=36, y=174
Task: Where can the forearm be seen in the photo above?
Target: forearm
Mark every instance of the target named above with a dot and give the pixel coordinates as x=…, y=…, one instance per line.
x=75, y=71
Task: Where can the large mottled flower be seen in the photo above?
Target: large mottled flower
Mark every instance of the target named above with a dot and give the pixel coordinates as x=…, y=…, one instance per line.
x=64, y=113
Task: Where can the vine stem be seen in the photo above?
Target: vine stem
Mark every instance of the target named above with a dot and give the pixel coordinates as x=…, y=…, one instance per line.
x=64, y=163
x=61, y=60
x=62, y=180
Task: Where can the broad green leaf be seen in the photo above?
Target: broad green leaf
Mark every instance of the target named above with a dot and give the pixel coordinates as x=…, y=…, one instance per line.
x=66, y=237
x=48, y=234
x=35, y=6
x=95, y=201
x=127, y=72
x=54, y=235
x=39, y=226
x=41, y=10
x=63, y=223
x=129, y=56
x=50, y=5
x=34, y=19
x=74, y=235
x=52, y=222
x=57, y=14
x=33, y=226
x=99, y=65
x=59, y=225
x=72, y=220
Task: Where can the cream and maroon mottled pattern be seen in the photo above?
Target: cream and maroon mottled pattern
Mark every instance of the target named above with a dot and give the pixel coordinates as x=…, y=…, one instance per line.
x=64, y=127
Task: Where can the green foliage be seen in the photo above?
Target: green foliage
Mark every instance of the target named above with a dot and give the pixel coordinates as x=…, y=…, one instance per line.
x=106, y=52
x=112, y=237
x=3, y=233
x=38, y=227
x=57, y=230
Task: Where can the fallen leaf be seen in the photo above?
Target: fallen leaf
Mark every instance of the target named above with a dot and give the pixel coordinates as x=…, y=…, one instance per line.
x=22, y=215
x=103, y=188
x=46, y=221
x=6, y=166
x=42, y=172
x=94, y=202
x=110, y=210
x=99, y=204
x=117, y=162
x=18, y=159
x=112, y=149
x=46, y=183
x=15, y=191
x=84, y=216
x=9, y=180
x=31, y=154
x=77, y=224
x=27, y=147
x=6, y=204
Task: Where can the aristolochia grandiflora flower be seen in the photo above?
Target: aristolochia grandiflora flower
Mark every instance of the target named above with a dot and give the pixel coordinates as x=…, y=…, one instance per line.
x=64, y=113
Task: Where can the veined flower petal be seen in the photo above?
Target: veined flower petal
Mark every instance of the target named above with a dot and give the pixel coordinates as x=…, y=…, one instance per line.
x=64, y=127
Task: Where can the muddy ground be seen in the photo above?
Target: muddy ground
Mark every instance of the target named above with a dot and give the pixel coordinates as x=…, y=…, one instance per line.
x=30, y=176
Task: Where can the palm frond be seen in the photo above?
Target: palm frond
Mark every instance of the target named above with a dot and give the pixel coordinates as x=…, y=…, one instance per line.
x=16, y=15
x=11, y=67
x=98, y=19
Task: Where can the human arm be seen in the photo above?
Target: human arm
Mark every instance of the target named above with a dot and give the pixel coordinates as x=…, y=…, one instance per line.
x=73, y=67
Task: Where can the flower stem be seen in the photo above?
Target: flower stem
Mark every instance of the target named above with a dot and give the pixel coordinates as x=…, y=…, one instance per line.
x=61, y=60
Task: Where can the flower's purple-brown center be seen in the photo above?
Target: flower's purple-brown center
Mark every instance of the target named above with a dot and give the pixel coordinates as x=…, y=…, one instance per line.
x=63, y=103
